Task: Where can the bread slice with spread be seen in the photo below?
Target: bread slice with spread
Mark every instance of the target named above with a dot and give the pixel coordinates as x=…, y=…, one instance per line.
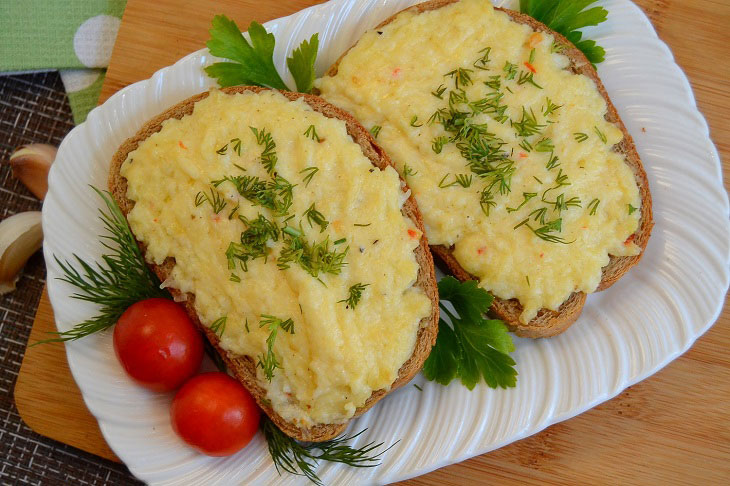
x=283, y=229
x=526, y=177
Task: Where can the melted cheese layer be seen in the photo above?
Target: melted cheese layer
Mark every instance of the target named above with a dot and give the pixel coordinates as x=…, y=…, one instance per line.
x=337, y=355
x=392, y=78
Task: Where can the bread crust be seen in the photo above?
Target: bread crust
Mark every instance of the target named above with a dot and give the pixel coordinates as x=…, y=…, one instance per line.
x=549, y=323
x=244, y=367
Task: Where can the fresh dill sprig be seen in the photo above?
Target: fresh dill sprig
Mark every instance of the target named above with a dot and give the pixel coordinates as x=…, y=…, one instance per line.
x=120, y=281
x=219, y=325
x=375, y=130
x=216, y=200
x=314, y=216
x=268, y=156
x=268, y=362
x=310, y=171
x=354, y=295
x=312, y=133
x=301, y=458
x=414, y=122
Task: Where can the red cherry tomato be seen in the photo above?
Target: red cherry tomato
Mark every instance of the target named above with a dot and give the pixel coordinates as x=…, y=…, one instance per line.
x=215, y=414
x=157, y=344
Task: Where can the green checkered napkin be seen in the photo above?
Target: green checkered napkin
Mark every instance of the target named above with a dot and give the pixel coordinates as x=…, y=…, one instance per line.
x=73, y=36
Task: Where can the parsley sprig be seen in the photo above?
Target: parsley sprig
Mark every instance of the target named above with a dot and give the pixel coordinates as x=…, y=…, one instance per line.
x=566, y=17
x=253, y=63
x=472, y=348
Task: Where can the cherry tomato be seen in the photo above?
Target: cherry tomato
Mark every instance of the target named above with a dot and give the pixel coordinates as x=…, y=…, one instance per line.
x=215, y=414
x=157, y=344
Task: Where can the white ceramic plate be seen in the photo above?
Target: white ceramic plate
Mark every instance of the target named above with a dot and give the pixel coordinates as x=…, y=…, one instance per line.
x=624, y=334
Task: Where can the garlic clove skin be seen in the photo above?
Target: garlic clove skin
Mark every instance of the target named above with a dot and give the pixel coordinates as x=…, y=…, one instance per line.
x=21, y=235
x=31, y=163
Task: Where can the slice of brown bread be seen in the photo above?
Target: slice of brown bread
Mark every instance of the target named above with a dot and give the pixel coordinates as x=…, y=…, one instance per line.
x=547, y=322
x=244, y=367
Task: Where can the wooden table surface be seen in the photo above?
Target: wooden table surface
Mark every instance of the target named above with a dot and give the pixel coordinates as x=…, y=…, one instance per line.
x=671, y=428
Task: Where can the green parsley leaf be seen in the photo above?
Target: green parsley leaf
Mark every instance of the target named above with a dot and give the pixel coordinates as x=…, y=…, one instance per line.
x=472, y=348
x=301, y=64
x=254, y=62
x=566, y=17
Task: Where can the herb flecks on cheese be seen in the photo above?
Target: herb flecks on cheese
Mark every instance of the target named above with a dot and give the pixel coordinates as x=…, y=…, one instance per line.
x=515, y=161
x=307, y=222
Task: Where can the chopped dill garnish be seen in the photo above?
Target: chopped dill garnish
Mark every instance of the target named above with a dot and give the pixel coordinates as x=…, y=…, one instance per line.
x=313, y=258
x=216, y=200
x=460, y=76
x=253, y=242
x=408, y=171
x=414, y=122
x=268, y=156
x=580, y=137
x=544, y=232
x=510, y=70
x=375, y=130
x=526, y=197
x=439, y=93
x=354, y=295
x=632, y=209
x=484, y=60
x=314, y=216
x=528, y=125
x=550, y=107
x=438, y=143
x=526, y=77
x=312, y=133
x=219, y=326
x=545, y=145
x=463, y=180
x=310, y=171
x=600, y=134
x=593, y=206
x=268, y=362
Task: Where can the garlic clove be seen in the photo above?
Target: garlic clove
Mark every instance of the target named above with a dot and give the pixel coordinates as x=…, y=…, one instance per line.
x=21, y=235
x=31, y=163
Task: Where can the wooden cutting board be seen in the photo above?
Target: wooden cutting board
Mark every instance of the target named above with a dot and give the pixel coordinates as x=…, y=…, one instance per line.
x=671, y=428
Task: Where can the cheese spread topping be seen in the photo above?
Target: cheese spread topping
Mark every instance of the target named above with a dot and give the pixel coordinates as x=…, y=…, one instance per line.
x=507, y=152
x=292, y=242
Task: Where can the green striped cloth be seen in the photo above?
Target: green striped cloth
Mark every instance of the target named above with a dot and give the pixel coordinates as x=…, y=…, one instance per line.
x=74, y=36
